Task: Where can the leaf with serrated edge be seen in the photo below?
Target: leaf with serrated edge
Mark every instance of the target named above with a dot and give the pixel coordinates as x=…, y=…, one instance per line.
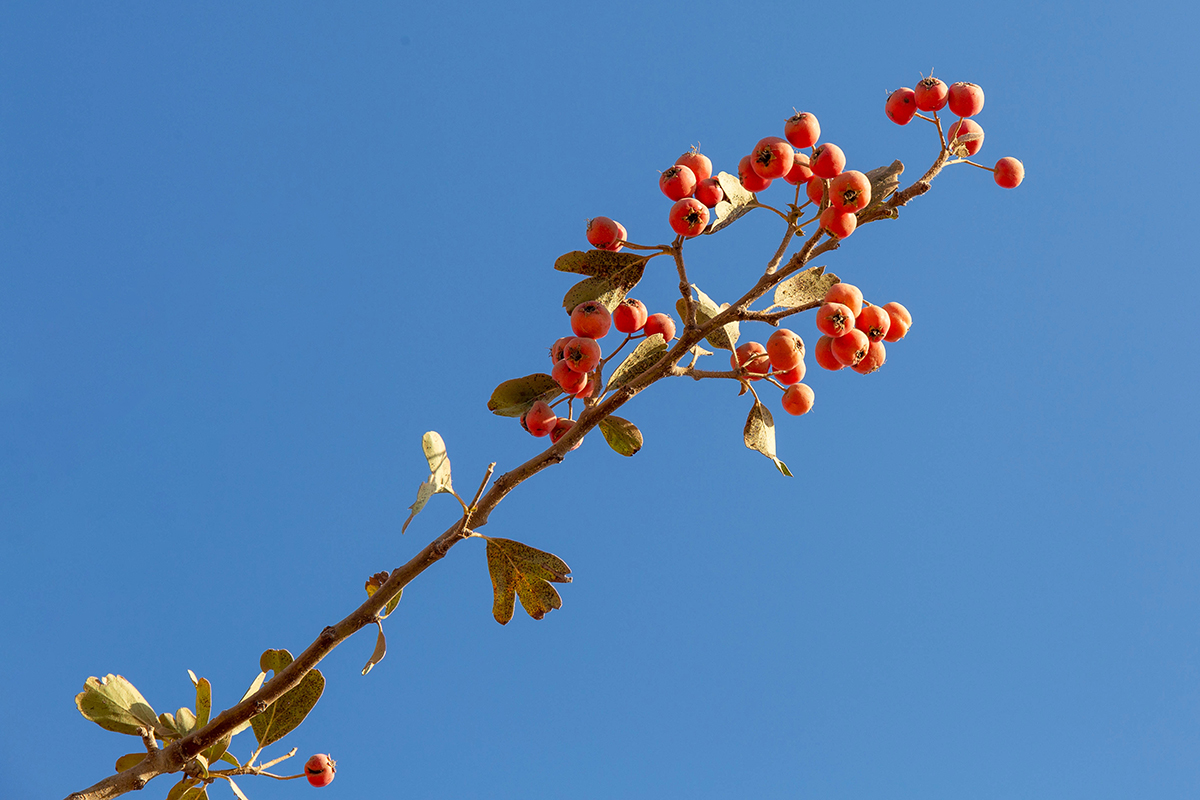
x=621, y=435
x=596, y=263
x=805, y=288
x=759, y=435
x=439, y=460
x=130, y=760
x=286, y=713
x=609, y=291
x=644, y=356
x=516, y=396
x=380, y=650
x=115, y=705
x=526, y=572
x=724, y=337
x=736, y=203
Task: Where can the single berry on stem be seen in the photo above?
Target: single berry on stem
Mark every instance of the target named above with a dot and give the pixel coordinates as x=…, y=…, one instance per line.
x=839, y=223
x=848, y=295
x=850, y=191
x=677, y=182
x=800, y=171
x=709, y=192
x=873, y=360
x=874, y=321
x=823, y=354
x=901, y=106
x=605, y=233
x=900, y=322
x=798, y=399
x=802, y=129
x=785, y=349
x=688, y=217
x=662, y=324
x=828, y=161
x=772, y=158
x=540, y=419
x=835, y=319
x=851, y=348
x=965, y=127
x=964, y=99
x=751, y=180
x=698, y=163
x=931, y=94
x=591, y=319
x=630, y=315
x=1009, y=172
x=752, y=357
x=320, y=770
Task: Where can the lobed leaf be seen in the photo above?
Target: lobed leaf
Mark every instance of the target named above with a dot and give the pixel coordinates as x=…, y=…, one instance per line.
x=644, y=356
x=609, y=290
x=736, y=204
x=759, y=435
x=621, y=435
x=806, y=288
x=518, y=570
x=514, y=397
x=115, y=705
x=596, y=263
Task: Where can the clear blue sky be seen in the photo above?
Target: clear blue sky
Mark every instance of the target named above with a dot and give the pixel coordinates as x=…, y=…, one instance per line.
x=249, y=253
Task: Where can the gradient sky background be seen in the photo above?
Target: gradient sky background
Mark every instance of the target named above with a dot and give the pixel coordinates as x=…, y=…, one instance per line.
x=248, y=255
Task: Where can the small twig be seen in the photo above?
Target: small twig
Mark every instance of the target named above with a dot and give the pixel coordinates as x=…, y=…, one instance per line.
x=285, y=757
x=148, y=739
x=757, y=204
x=685, y=288
x=487, y=476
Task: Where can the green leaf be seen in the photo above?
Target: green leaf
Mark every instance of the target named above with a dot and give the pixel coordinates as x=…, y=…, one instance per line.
x=724, y=337
x=203, y=701
x=609, y=291
x=380, y=650
x=218, y=751
x=185, y=721
x=737, y=202
x=286, y=713
x=391, y=604
x=130, y=760
x=806, y=288
x=178, y=789
x=230, y=758
x=115, y=705
x=439, y=460
x=621, y=435
x=514, y=397
x=759, y=435
x=597, y=263
x=518, y=570
x=644, y=356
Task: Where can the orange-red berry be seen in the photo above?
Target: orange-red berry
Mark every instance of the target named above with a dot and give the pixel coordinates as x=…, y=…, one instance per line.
x=793, y=375
x=660, y=323
x=709, y=192
x=828, y=161
x=772, y=157
x=561, y=427
x=901, y=106
x=850, y=191
x=320, y=770
x=798, y=399
x=605, y=233
x=568, y=379
x=802, y=129
x=785, y=349
x=698, y=163
x=964, y=99
x=677, y=182
x=823, y=354
x=751, y=180
x=873, y=360
x=630, y=315
x=839, y=223
x=751, y=356
x=931, y=94
x=540, y=419
x=848, y=295
x=1009, y=172
x=582, y=354
x=874, y=322
x=901, y=320
x=591, y=319
x=800, y=171
x=966, y=127
x=851, y=348
x=835, y=319
x=815, y=190
x=688, y=217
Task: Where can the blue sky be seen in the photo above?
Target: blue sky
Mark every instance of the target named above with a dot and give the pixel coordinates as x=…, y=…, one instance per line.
x=249, y=255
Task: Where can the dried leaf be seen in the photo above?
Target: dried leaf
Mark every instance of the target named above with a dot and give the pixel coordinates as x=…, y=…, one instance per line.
x=884, y=183
x=759, y=435
x=609, y=291
x=644, y=356
x=621, y=435
x=806, y=288
x=254, y=687
x=596, y=263
x=425, y=491
x=522, y=571
x=130, y=760
x=725, y=337
x=439, y=460
x=737, y=202
x=115, y=705
x=380, y=650
x=286, y=713
x=514, y=397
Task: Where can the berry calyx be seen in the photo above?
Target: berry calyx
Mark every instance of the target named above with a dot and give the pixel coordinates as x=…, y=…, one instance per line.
x=802, y=129
x=688, y=217
x=591, y=319
x=698, y=163
x=850, y=191
x=835, y=319
x=581, y=354
x=630, y=315
x=320, y=769
x=901, y=106
x=1009, y=172
x=677, y=182
x=772, y=158
x=828, y=161
x=874, y=322
x=931, y=94
x=964, y=99
x=662, y=324
x=798, y=399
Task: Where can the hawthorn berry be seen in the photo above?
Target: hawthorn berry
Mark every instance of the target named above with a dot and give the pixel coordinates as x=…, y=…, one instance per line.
x=698, y=163
x=688, y=217
x=561, y=427
x=850, y=191
x=662, y=324
x=802, y=129
x=556, y=351
x=966, y=127
x=605, y=233
x=800, y=171
x=772, y=157
x=591, y=319
x=901, y=106
x=752, y=357
x=874, y=322
x=568, y=379
x=828, y=161
x=900, y=322
x=586, y=389
x=539, y=420
x=1009, y=172
x=848, y=295
x=798, y=399
x=873, y=360
x=835, y=319
x=582, y=354
x=824, y=355
x=677, y=182
x=931, y=94
x=751, y=180
x=709, y=192
x=793, y=375
x=785, y=350
x=839, y=223
x=320, y=770
x=964, y=99
x=815, y=190
x=630, y=315
x=850, y=348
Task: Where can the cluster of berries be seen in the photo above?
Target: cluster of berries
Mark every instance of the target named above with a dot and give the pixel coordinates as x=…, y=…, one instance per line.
x=854, y=331
x=783, y=360
x=575, y=357
x=690, y=183
x=965, y=100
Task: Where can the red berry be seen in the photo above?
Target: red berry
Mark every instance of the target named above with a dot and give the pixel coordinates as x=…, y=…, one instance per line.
x=677, y=182
x=699, y=164
x=320, y=770
x=604, y=233
x=828, y=161
x=539, y=419
x=900, y=322
x=772, y=158
x=965, y=99
x=630, y=315
x=591, y=319
x=568, y=379
x=874, y=322
x=560, y=428
x=688, y=217
x=931, y=94
x=839, y=223
x=798, y=399
x=1009, y=172
x=785, y=350
x=966, y=127
x=850, y=191
x=815, y=189
x=660, y=323
x=802, y=129
x=800, y=172
x=586, y=389
x=751, y=180
x=582, y=354
x=752, y=356
x=709, y=192
x=848, y=295
x=791, y=376
x=851, y=348
x=873, y=360
x=835, y=319
x=901, y=106
x=556, y=351
x=824, y=355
